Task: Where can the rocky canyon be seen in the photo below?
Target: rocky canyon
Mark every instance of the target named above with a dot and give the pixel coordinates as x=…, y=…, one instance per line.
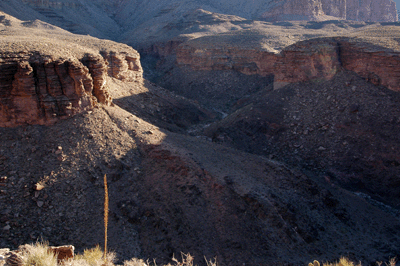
x=253, y=132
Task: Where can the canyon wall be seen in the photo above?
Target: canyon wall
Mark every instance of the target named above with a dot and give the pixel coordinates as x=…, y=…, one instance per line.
x=363, y=10
x=371, y=10
x=39, y=89
x=294, y=10
x=336, y=8
x=318, y=59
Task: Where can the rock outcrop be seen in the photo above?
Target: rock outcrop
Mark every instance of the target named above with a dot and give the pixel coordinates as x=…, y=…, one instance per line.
x=40, y=89
x=63, y=252
x=318, y=59
x=123, y=66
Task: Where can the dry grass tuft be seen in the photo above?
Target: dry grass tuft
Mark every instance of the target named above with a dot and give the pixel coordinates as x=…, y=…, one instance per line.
x=342, y=262
x=346, y=262
x=135, y=262
x=94, y=257
x=38, y=255
x=187, y=260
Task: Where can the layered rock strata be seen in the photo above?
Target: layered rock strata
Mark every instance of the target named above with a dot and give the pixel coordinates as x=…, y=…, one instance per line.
x=39, y=89
x=336, y=8
x=363, y=10
x=318, y=59
x=294, y=10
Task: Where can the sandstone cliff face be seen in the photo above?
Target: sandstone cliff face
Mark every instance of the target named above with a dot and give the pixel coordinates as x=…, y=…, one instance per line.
x=294, y=10
x=309, y=60
x=38, y=89
x=318, y=59
x=336, y=8
x=123, y=66
x=246, y=61
x=376, y=66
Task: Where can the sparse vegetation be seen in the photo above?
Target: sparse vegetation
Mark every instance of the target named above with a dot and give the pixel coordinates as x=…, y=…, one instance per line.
x=346, y=262
x=93, y=257
x=38, y=255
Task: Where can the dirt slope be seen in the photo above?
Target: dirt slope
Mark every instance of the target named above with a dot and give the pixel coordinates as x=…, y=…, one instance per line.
x=171, y=193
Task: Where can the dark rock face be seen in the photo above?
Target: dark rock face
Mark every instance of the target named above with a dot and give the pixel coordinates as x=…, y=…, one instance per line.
x=37, y=89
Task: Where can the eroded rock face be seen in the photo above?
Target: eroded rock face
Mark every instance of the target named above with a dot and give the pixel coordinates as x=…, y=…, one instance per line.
x=123, y=66
x=336, y=8
x=37, y=89
x=303, y=61
x=318, y=59
x=246, y=61
x=376, y=66
x=294, y=10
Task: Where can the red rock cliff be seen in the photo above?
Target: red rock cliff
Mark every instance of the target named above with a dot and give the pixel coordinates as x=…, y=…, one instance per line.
x=38, y=89
x=318, y=59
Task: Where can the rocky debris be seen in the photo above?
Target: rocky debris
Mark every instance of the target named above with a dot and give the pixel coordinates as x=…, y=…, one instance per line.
x=14, y=259
x=342, y=129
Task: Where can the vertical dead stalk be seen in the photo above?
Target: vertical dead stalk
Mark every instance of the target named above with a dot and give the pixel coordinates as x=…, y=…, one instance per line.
x=105, y=218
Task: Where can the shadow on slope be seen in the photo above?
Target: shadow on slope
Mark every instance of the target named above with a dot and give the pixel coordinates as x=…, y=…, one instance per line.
x=171, y=193
x=210, y=200
x=344, y=129
x=69, y=159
